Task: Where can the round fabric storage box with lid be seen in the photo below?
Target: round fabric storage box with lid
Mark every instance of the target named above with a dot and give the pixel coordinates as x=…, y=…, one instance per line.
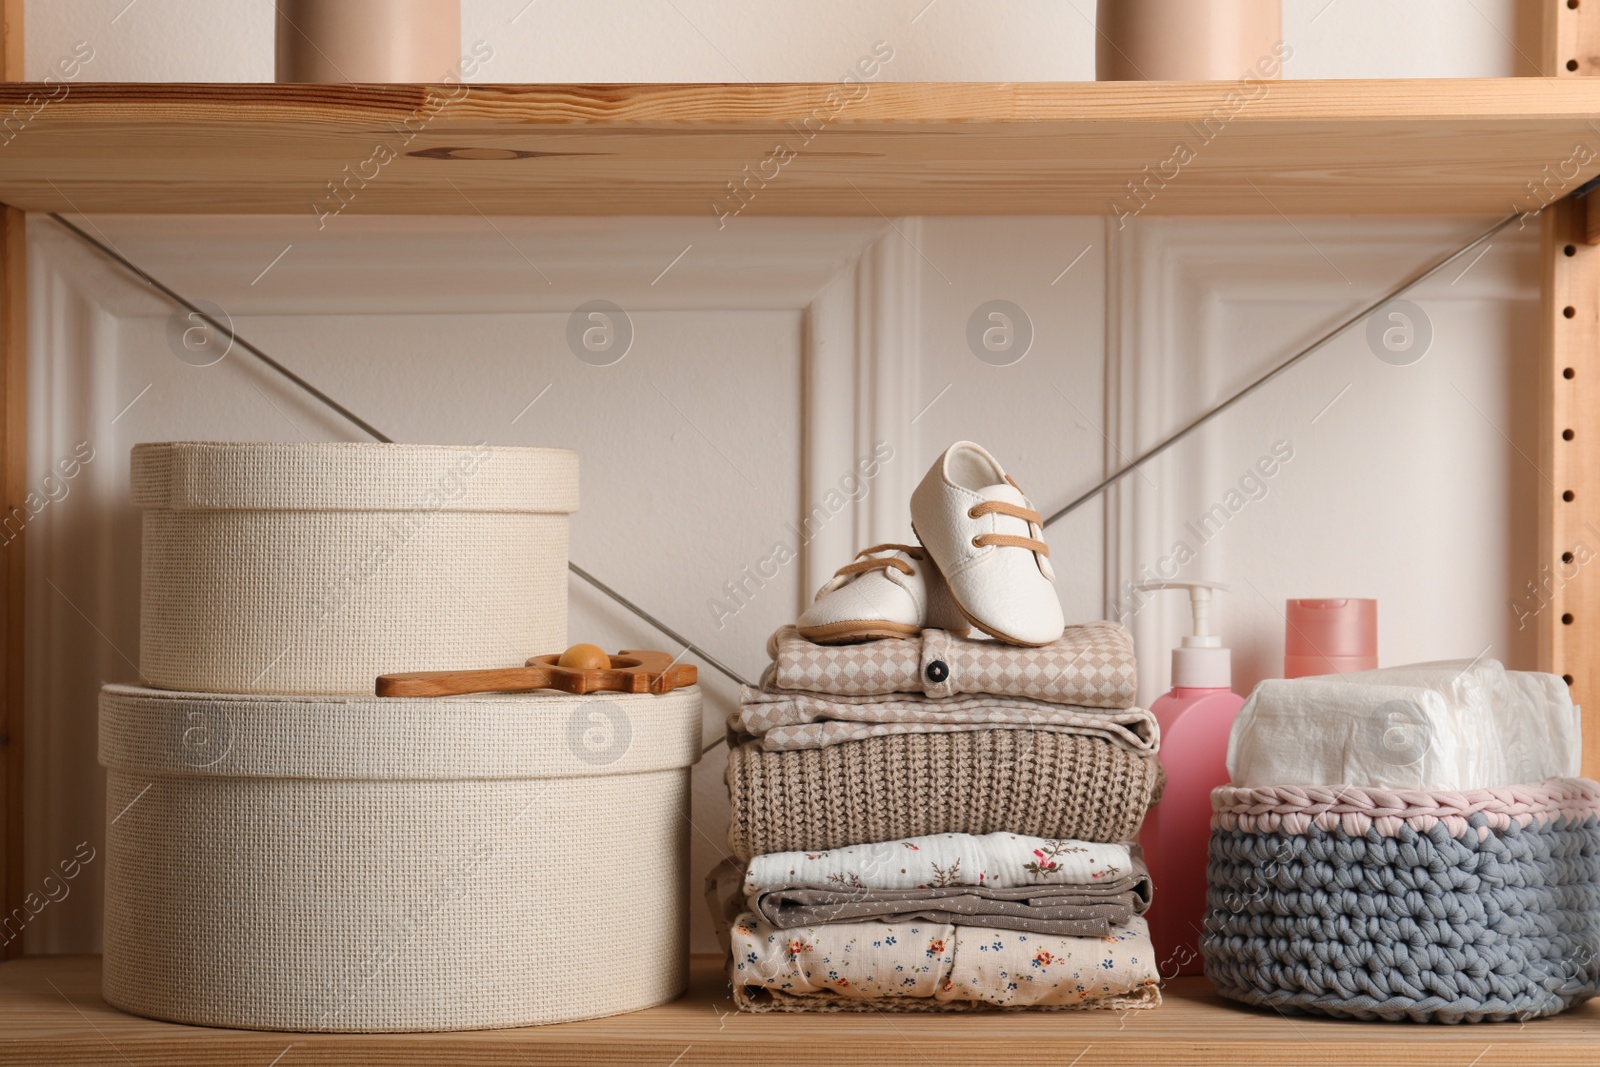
x=315, y=567
x=1405, y=904
x=369, y=864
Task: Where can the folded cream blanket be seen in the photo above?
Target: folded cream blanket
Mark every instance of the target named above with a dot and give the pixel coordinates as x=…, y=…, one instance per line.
x=905, y=785
x=917, y=965
x=788, y=719
x=1090, y=665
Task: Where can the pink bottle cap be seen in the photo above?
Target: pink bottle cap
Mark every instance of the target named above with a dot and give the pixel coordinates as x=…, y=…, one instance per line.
x=1330, y=636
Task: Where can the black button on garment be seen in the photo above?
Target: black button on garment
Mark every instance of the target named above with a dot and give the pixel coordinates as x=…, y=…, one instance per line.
x=938, y=671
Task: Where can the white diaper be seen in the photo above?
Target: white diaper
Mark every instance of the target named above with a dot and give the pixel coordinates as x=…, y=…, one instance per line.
x=1439, y=726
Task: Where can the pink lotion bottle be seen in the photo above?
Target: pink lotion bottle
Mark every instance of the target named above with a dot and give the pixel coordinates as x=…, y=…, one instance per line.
x=1195, y=719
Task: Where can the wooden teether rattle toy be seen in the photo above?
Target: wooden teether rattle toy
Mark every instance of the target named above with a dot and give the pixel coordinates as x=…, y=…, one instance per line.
x=580, y=669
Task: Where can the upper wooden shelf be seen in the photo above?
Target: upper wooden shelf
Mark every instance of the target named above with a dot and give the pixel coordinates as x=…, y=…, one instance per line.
x=1370, y=147
x=51, y=1012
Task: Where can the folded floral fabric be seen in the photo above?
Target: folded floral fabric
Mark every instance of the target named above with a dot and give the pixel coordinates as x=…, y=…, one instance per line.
x=1090, y=665
x=885, y=788
x=1110, y=893
x=879, y=966
x=998, y=860
x=785, y=719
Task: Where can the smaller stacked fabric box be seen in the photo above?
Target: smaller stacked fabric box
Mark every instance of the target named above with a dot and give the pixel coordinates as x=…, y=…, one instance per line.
x=934, y=823
x=1406, y=904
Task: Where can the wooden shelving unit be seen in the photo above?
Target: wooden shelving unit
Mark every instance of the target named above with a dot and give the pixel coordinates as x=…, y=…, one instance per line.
x=1368, y=147
x=51, y=1012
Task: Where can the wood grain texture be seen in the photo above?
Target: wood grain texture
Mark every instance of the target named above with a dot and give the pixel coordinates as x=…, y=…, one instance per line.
x=13, y=470
x=1417, y=146
x=630, y=672
x=1565, y=595
x=1563, y=599
x=13, y=57
x=1571, y=38
x=13, y=473
x=41, y=1000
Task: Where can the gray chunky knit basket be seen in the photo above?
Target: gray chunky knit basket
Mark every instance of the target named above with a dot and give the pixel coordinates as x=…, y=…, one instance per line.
x=1427, y=906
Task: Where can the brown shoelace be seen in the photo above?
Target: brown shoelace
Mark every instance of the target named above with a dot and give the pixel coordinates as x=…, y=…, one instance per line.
x=1015, y=511
x=861, y=566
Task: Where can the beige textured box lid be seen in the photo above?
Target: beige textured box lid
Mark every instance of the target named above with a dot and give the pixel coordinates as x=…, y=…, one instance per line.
x=353, y=476
x=520, y=735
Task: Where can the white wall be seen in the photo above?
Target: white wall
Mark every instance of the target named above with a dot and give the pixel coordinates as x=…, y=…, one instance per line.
x=1407, y=483
x=1408, y=488
x=735, y=40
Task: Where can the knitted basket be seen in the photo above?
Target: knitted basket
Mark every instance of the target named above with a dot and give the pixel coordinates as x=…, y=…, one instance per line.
x=314, y=568
x=291, y=863
x=1428, y=906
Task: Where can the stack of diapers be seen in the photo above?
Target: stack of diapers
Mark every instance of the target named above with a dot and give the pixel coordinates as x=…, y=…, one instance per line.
x=937, y=823
x=1407, y=843
x=1452, y=725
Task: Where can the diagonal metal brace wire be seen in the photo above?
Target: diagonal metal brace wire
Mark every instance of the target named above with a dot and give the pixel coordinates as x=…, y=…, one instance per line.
x=366, y=427
x=1167, y=442
x=1396, y=291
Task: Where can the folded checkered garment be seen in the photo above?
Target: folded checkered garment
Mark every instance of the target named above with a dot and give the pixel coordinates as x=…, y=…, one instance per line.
x=782, y=720
x=1091, y=665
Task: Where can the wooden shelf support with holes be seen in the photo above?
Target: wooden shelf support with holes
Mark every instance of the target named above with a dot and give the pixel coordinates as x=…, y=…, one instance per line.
x=1564, y=593
x=1566, y=589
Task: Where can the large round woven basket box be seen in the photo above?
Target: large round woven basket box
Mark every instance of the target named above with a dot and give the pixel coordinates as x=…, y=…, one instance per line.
x=315, y=567
x=368, y=864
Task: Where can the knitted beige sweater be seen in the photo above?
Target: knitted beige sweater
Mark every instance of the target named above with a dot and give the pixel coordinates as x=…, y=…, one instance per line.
x=903, y=785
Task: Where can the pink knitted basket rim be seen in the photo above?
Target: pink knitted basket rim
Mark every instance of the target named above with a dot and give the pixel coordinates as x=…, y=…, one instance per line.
x=1356, y=809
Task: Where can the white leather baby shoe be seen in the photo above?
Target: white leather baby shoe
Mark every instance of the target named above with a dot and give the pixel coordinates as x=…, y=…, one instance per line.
x=989, y=543
x=889, y=591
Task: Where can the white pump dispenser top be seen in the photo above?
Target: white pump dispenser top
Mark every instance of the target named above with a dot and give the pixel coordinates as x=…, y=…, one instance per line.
x=1200, y=662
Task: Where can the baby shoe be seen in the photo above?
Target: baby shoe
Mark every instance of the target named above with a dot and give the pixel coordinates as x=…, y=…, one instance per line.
x=889, y=591
x=989, y=543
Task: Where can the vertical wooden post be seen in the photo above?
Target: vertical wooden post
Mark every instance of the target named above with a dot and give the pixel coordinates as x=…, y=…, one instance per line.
x=1567, y=588
x=13, y=475
x=1571, y=39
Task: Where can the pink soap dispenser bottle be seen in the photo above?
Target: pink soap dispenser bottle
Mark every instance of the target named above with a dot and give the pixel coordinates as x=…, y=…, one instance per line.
x=1195, y=719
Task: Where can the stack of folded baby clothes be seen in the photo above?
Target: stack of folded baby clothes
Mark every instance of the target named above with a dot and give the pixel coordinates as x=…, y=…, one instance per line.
x=928, y=821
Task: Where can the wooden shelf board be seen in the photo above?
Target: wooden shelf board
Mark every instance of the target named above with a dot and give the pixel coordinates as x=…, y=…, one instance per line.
x=1357, y=146
x=51, y=1012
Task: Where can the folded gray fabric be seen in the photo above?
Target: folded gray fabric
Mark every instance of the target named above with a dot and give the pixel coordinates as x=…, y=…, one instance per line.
x=1067, y=910
x=784, y=720
x=1070, y=909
